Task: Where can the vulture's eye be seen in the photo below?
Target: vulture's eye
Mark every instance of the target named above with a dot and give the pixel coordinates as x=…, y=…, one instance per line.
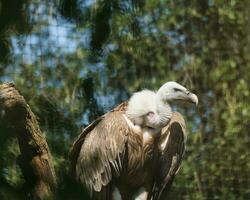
x=150, y=114
x=177, y=90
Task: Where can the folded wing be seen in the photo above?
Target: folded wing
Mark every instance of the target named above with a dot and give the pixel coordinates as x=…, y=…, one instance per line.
x=171, y=151
x=97, y=154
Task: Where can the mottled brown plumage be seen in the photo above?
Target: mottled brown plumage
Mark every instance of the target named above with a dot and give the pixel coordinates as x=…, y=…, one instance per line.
x=134, y=151
x=122, y=160
x=170, y=155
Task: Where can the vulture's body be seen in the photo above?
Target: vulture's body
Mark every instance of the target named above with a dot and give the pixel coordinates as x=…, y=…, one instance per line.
x=121, y=156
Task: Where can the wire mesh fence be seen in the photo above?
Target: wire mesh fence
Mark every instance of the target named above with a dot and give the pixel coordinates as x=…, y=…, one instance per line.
x=52, y=63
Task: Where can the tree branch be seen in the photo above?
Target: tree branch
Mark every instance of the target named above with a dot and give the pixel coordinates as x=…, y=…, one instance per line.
x=35, y=160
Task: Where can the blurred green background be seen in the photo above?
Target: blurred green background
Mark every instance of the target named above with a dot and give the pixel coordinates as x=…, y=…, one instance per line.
x=73, y=60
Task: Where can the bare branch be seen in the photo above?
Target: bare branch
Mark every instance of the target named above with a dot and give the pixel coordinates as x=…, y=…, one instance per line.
x=35, y=159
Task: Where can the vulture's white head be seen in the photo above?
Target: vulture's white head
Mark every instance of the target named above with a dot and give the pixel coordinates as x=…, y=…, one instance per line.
x=173, y=92
x=152, y=109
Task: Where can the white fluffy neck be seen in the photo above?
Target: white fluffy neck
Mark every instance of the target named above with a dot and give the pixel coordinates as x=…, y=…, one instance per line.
x=163, y=108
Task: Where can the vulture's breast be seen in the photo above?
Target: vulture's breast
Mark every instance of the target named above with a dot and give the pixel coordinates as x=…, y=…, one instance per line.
x=141, y=156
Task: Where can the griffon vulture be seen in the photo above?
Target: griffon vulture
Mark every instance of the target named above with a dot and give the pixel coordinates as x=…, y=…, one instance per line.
x=134, y=151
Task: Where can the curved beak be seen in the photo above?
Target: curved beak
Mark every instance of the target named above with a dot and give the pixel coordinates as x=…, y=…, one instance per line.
x=192, y=98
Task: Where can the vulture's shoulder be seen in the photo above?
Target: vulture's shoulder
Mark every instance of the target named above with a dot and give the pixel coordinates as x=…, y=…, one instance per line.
x=176, y=124
x=176, y=118
x=121, y=107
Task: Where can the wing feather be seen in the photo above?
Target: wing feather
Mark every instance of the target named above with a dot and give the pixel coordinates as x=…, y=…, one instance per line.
x=96, y=156
x=171, y=147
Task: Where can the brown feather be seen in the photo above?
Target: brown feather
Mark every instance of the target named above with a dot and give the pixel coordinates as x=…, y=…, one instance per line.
x=93, y=166
x=108, y=153
x=171, y=156
x=76, y=146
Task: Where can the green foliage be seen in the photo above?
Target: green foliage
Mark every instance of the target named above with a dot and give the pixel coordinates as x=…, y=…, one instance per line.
x=124, y=46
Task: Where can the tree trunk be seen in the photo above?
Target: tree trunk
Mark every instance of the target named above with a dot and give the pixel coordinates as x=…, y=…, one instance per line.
x=35, y=160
